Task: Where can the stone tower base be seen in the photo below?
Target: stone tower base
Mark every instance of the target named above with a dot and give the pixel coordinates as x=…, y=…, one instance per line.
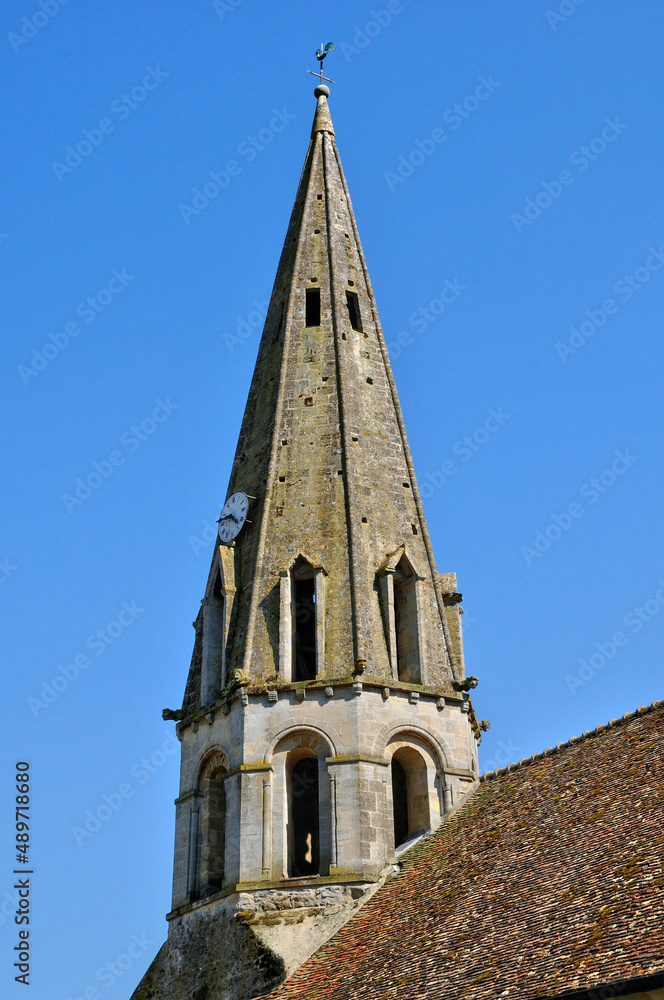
x=244, y=945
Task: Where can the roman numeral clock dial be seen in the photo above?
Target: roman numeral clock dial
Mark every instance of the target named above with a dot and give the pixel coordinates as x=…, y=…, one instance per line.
x=233, y=517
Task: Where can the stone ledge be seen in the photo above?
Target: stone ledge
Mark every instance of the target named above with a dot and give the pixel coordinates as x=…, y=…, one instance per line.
x=224, y=703
x=339, y=877
x=461, y=772
x=347, y=681
x=357, y=758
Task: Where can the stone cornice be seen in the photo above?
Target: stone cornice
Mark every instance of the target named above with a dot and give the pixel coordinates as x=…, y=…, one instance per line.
x=207, y=713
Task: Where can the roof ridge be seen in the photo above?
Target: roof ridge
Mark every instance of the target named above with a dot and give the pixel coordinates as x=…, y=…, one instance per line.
x=587, y=734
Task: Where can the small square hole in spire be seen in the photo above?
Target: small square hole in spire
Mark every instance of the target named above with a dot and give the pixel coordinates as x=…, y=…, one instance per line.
x=313, y=307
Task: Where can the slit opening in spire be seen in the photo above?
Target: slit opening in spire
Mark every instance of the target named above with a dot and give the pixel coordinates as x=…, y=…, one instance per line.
x=354, y=315
x=312, y=317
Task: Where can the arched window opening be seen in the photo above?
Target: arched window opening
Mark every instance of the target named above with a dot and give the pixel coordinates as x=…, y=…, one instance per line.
x=213, y=645
x=410, y=795
x=304, y=823
x=304, y=622
x=405, y=623
x=213, y=831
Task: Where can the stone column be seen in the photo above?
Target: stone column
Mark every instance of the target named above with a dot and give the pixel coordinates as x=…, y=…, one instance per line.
x=192, y=873
x=319, y=593
x=267, y=826
x=446, y=789
x=285, y=629
x=333, y=823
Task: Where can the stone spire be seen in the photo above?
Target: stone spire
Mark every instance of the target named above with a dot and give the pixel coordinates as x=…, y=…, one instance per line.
x=326, y=723
x=322, y=118
x=323, y=450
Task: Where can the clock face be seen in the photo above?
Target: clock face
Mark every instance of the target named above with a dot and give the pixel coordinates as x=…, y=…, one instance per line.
x=232, y=517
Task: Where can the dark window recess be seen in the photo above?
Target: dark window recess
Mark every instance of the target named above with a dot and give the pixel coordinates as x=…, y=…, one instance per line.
x=354, y=311
x=305, y=836
x=216, y=828
x=410, y=795
x=399, y=803
x=210, y=850
x=405, y=624
x=304, y=630
x=212, y=681
x=313, y=307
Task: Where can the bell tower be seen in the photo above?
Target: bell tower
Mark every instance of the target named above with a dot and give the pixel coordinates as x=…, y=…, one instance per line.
x=326, y=721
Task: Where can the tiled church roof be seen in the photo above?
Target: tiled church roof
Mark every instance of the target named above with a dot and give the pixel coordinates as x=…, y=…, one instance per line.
x=549, y=879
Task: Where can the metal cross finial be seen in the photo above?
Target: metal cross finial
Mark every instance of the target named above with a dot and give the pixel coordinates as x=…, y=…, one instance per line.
x=320, y=55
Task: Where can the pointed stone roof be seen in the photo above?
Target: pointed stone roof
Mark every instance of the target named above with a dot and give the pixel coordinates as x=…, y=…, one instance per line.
x=323, y=449
x=322, y=118
x=547, y=882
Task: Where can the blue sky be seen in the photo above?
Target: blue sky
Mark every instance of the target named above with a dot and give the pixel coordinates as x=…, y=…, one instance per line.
x=531, y=389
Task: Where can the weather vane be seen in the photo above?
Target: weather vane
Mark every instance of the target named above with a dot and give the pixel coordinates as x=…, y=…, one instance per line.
x=320, y=55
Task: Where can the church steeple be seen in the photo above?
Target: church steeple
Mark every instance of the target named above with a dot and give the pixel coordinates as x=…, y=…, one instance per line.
x=326, y=721
x=324, y=455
